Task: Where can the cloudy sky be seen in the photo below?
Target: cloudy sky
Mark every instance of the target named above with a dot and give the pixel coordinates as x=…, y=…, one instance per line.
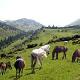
x=47, y=12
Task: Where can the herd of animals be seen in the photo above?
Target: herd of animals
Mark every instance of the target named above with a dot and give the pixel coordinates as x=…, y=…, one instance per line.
x=36, y=56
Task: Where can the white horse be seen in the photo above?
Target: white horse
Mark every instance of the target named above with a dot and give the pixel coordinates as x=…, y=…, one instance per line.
x=38, y=54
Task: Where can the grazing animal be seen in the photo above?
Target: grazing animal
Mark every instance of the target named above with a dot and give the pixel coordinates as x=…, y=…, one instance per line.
x=37, y=55
x=19, y=66
x=58, y=49
x=4, y=67
x=76, y=55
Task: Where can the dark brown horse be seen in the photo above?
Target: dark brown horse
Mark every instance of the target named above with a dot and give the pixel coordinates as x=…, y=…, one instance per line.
x=4, y=67
x=58, y=49
x=19, y=66
x=75, y=55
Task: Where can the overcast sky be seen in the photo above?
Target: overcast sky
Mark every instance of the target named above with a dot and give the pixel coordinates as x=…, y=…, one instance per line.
x=47, y=12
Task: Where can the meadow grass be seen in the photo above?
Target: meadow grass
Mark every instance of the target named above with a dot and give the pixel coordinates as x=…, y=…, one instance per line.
x=52, y=69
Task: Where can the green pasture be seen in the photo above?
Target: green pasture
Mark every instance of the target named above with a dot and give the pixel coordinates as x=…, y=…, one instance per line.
x=52, y=69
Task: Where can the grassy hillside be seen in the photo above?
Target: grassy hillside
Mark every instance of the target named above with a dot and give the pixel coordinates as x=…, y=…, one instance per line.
x=52, y=69
x=6, y=30
x=9, y=34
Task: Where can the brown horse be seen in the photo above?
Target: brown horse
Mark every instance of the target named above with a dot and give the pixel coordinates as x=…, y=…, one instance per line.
x=58, y=49
x=75, y=55
x=19, y=66
x=4, y=67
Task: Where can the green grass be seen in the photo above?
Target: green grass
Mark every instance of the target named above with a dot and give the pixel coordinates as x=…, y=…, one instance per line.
x=52, y=69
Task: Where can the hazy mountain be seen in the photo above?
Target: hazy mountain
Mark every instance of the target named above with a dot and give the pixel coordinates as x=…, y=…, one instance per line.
x=74, y=24
x=24, y=24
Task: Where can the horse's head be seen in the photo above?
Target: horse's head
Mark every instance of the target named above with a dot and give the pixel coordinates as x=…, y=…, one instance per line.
x=46, y=48
x=74, y=56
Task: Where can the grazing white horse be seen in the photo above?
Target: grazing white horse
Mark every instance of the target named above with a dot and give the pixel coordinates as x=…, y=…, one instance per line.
x=37, y=55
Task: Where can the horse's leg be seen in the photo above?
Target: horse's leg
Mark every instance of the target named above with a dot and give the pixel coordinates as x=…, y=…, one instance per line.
x=5, y=68
x=16, y=72
x=2, y=71
x=19, y=72
x=64, y=55
x=56, y=55
x=32, y=63
x=40, y=63
x=53, y=54
x=77, y=60
x=32, y=60
x=35, y=60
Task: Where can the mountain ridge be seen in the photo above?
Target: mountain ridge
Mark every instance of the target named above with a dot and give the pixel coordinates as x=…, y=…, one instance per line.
x=24, y=24
x=74, y=23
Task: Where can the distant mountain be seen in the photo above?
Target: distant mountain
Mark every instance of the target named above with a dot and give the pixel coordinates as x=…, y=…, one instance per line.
x=24, y=24
x=74, y=24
